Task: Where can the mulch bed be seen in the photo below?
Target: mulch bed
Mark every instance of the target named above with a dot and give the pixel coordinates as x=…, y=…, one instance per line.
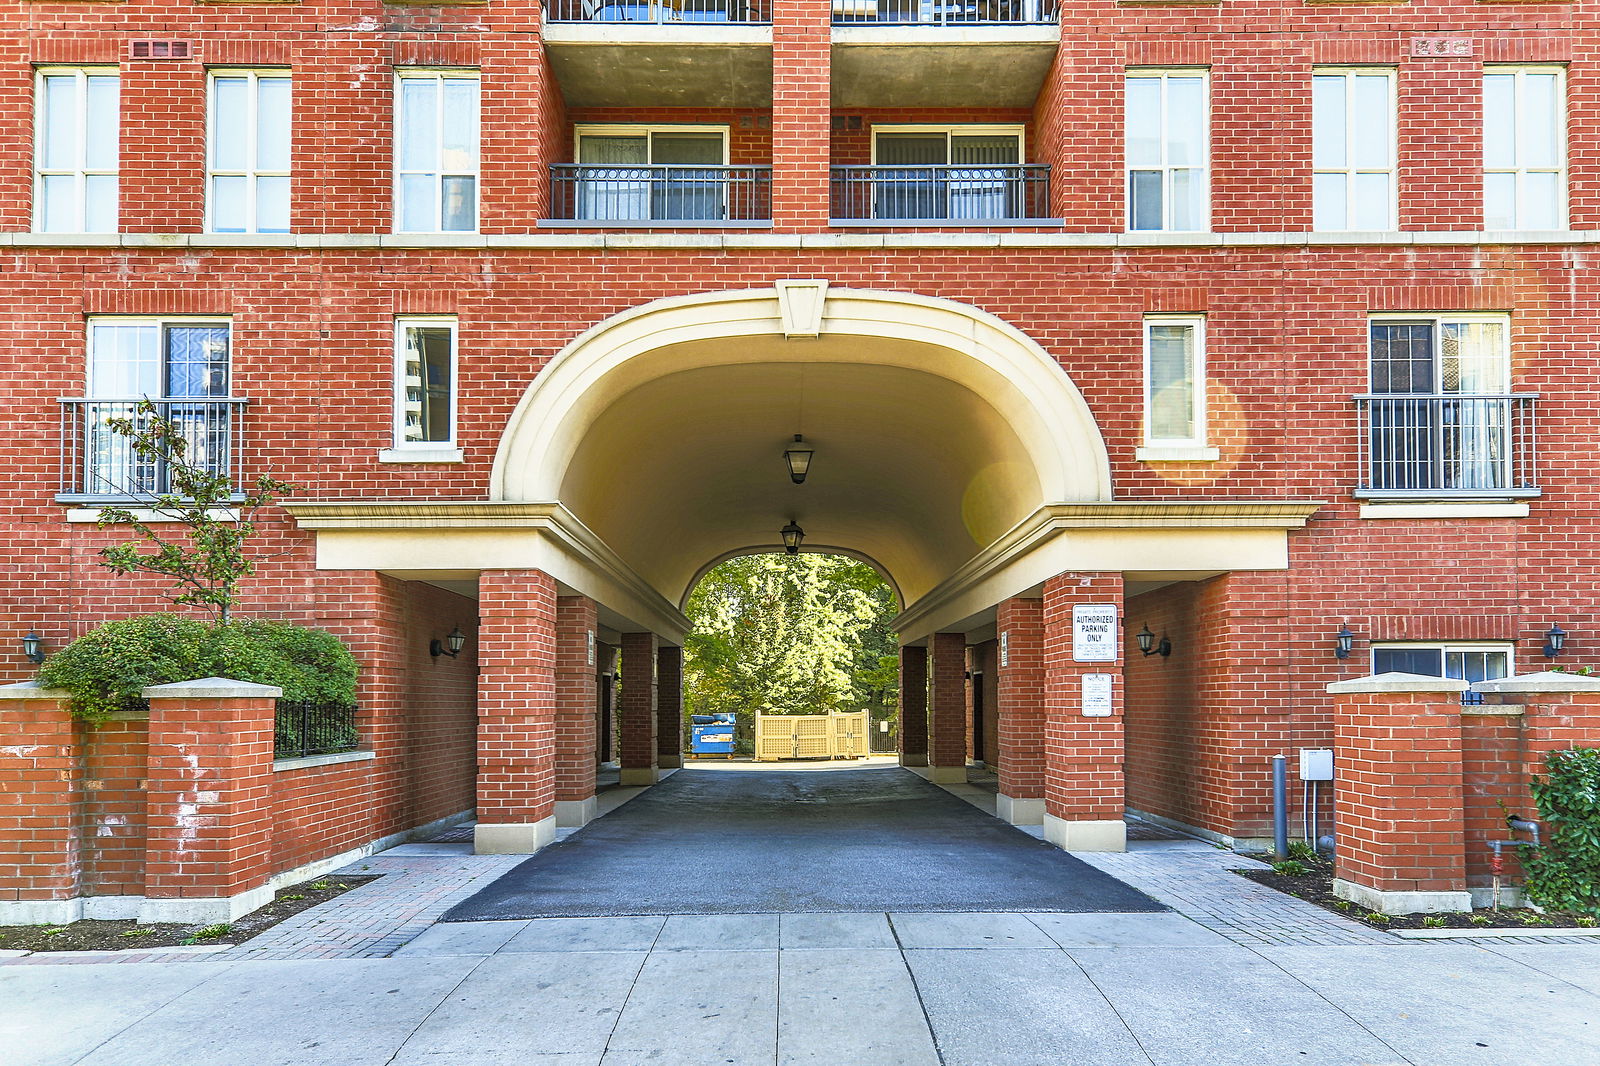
x=91, y=935
x=1316, y=886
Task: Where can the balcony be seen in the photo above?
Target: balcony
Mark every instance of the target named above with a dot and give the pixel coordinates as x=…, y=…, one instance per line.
x=941, y=195
x=945, y=12
x=681, y=196
x=728, y=12
x=1440, y=447
x=97, y=463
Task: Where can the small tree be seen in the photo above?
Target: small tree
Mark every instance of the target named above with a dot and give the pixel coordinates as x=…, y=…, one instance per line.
x=206, y=566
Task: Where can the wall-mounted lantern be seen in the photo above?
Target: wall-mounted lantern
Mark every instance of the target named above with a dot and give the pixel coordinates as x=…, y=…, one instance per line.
x=1554, y=640
x=450, y=645
x=1343, y=641
x=1150, y=646
x=33, y=647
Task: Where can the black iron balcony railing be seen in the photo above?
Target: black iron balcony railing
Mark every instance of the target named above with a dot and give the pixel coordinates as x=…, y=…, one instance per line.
x=745, y=12
x=954, y=194
x=1442, y=446
x=689, y=194
x=945, y=12
x=302, y=728
x=98, y=463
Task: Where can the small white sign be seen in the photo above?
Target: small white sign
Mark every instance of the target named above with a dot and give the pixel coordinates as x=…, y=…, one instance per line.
x=1097, y=701
x=1005, y=652
x=591, y=647
x=1094, y=633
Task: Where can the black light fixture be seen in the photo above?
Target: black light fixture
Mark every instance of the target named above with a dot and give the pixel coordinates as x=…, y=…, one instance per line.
x=1554, y=640
x=33, y=647
x=792, y=536
x=1344, y=640
x=450, y=645
x=798, y=458
x=1150, y=646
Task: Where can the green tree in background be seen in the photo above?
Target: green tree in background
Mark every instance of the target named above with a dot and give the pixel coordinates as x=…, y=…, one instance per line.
x=790, y=634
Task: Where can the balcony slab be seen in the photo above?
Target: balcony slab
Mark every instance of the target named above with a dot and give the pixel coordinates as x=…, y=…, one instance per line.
x=941, y=66
x=680, y=65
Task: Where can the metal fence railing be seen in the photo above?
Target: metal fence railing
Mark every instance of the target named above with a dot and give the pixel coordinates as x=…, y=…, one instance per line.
x=746, y=12
x=941, y=194
x=660, y=193
x=945, y=12
x=99, y=463
x=302, y=728
x=1448, y=445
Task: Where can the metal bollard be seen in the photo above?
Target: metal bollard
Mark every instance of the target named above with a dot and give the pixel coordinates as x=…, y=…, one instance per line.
x=1280, y=807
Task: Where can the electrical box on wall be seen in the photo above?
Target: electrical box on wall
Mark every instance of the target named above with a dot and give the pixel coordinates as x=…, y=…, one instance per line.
x=1316, y=764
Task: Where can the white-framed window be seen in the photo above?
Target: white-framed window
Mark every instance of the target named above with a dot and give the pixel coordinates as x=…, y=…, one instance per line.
x=436, y=151
x=1167, y=125
x=76, y=145
x=248, y=148
x=1524, y=148
x=425, y=383
x=1353, y=149
x=947, y=172
x=1465, y=660
x=1174, y=382
x=661, y=172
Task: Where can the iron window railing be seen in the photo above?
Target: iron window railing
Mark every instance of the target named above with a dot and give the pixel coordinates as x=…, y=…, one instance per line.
x=1448, y=445
x=303, y=727
x=737, y=12
x=962, y=194
x=945, y=12
x=99, y=463
x=661, y=193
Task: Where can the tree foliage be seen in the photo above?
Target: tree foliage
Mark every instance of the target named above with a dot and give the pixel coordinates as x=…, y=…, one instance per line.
x=1565, y=873
x=782, y=634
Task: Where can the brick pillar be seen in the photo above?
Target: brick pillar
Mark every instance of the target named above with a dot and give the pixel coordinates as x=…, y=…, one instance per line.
x=801, y=103
x=947, y=707
x=516, y=712
x=1083, y=752
x=1019, y=711
x=913, y=706
x=39, y=802
x=669, y=706
x=636, y=710
x=576, y=739
x=1397, y=793
x=208, y=843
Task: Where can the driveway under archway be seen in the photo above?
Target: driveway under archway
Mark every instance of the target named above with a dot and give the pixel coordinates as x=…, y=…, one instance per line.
x=759, y=841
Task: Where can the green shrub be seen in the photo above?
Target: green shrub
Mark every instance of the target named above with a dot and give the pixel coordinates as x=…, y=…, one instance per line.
x=1290, y=868
x=1303, y=850
x=106, y=669
x=1565, y=874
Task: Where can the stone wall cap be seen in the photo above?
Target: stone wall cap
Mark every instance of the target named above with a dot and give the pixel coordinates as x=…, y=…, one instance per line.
x=1543, y=681
x=1399, y=682
x=212, y=688
x=32, y=690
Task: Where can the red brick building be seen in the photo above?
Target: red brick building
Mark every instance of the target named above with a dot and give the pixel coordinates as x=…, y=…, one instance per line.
x=1232, y=325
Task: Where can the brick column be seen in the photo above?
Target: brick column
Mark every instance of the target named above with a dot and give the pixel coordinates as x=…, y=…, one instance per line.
x=636, y=710
x=669, y=706
x=516, y=712
x=1083, y=754
x=208, y=843
x=1397, y=793
x=913, y=706
x=947, y=707
x=39, y=801
x=576, y=695
x=1020, y=711
x=801, y=113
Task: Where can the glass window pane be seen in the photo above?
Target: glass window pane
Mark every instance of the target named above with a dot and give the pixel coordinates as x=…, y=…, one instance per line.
x=460, y=204
x=1188, y=199
x=1540, y=206
x=1144, y=189
x=988, y=150
x=419, y=122
x=100, y=203
x=1472, y=357
x=912, y=149
x=125, y=361
x=1402, y=357
x=228, y=211
x=1143, y=129
x=460, y=125
x=272, y=205
x=613, y=151
x=58, y=139
x=1328, y=201
x=1426, y=661
x=1499, y=120
x=1539, y=118
x=230, y=142
x=274, y=123
x=427, y=385
x=101, y=128
x=673, y=149
x=1499, y=201
x=58, y=208
x=1172, y=384
x=1186, y=122
x=197, y=360
x=1374, y=121
x=1327, y=121
x=1369, y=207
x=418, y=211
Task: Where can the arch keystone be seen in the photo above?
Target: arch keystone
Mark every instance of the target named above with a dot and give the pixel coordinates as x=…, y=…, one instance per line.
x=800, y=305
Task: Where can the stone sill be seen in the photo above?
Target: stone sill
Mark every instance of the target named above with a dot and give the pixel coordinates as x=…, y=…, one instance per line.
x=1176, y=454
x=91, y=515
x=1446, y=509
x=306, y=762
x=421, y=455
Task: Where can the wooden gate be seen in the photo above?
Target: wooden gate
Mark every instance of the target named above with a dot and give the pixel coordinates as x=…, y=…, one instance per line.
x=840, y=735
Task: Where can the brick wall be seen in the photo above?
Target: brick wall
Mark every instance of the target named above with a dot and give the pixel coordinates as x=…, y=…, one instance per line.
x=576, y=675
x=947, y=704
x=913, y=732
x=1083, y=756
x=39, y=795
x=516, y=697
x=1020, y=699
x=636, y=703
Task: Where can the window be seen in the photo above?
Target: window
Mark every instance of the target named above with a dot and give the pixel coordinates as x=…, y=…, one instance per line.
x=1524, y=149
x=954, y=172
x=247, y=184
x=182, y=366
x=1174, y=382
x=1353, y=149
x=1166, y=146
x=1469, y=662
x=1441, y=413
x=75, y=157
x=436, y=152
x=636, y=173
x=425, y=374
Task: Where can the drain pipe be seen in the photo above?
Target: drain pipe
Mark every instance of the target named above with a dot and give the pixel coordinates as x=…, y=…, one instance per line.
x=1280, y=806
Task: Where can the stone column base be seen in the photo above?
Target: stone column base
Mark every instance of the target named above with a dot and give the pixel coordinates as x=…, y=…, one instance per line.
x=571, y=813
x=1376, y=899
x=188, y=910
x=513, y=838
x=947, y=775
x=1025, y=810
x=669, y=762
x=637, y=776
x=1100, y=835
x=914, y=759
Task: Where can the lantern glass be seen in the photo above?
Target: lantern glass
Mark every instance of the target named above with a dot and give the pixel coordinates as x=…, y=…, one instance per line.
x=33, y=647
x=1147, y=640
x=798, y=458
x=456, y=641
x=792, y=536
x=1346, y=641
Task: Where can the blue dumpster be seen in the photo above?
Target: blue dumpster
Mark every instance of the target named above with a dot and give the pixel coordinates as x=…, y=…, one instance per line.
x=711, y=734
